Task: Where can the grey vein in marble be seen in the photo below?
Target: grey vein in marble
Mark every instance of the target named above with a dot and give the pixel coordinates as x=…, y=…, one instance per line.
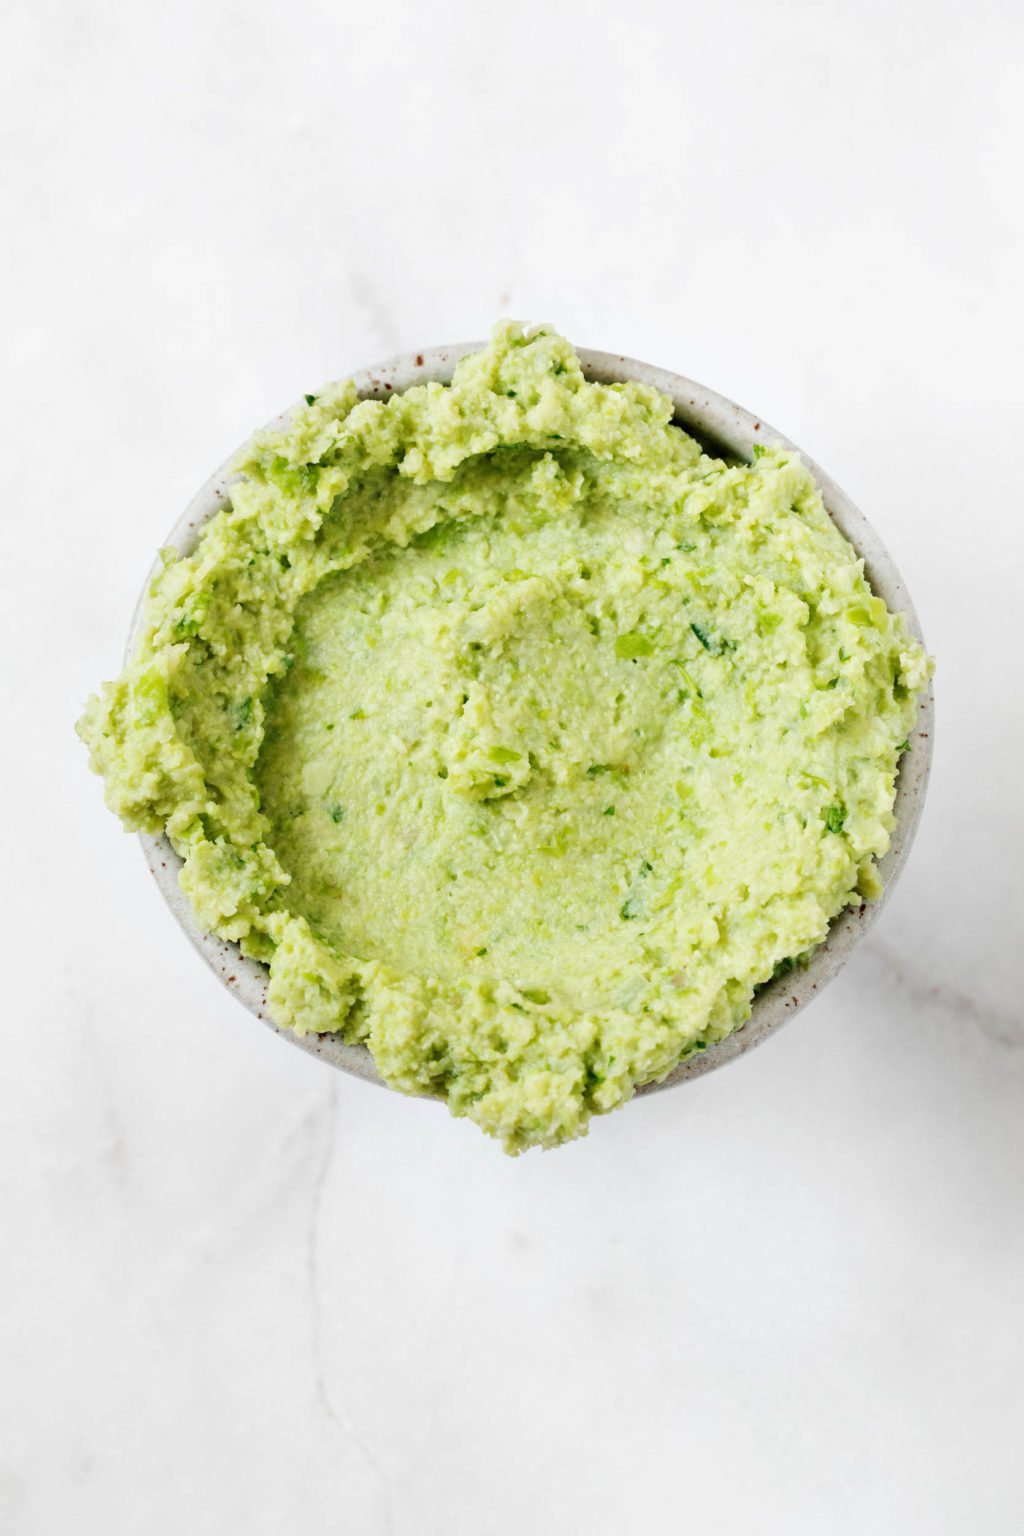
x=1000, y=1024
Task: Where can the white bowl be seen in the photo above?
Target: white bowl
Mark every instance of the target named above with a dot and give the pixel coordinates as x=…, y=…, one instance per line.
x=723, y=427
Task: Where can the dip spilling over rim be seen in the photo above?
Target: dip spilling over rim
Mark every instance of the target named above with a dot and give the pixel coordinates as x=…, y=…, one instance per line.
x=498, y=727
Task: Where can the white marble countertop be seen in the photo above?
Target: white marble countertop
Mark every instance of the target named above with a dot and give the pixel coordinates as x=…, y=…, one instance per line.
x=240, y=1293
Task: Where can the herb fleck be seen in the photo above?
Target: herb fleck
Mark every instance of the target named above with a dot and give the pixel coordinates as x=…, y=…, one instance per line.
x=633, y=905
x=835, y=818
x=717, y=645
x=814, y=778
x=631, y=647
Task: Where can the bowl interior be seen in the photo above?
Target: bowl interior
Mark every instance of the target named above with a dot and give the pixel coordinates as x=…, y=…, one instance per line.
x=730, y=431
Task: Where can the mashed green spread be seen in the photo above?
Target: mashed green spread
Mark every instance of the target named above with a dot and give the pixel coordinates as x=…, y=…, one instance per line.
x=520, y=738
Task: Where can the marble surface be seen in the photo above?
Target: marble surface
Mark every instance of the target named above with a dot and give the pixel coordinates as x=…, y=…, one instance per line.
x=238, y=1292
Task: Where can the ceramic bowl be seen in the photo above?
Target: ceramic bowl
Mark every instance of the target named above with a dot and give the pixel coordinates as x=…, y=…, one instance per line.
x=729, y=430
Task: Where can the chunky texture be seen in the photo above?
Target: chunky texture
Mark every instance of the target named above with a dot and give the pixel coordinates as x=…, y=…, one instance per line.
x=520, y=738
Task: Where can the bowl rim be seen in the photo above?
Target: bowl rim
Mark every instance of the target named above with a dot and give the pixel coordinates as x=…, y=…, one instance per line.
x=721, y=425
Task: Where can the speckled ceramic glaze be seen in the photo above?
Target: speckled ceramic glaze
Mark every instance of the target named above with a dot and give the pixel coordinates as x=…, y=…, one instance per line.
x=724, y=428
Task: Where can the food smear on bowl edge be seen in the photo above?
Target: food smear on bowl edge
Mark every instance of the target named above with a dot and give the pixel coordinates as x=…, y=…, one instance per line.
x=520, y=738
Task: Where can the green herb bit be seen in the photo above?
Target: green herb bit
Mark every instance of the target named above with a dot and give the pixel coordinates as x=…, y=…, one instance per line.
x=609, y=810
x=904, y=745
x=759, y=450
x=687, y=679
x=631, y=647
x=835, y=818
x=632, y=906
x=310, y=399
x=358, y=714
x=337, y=813
x=715, y=644
x=807, y=774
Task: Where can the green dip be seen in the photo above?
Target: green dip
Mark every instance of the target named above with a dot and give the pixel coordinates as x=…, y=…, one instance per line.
x=520, y=738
